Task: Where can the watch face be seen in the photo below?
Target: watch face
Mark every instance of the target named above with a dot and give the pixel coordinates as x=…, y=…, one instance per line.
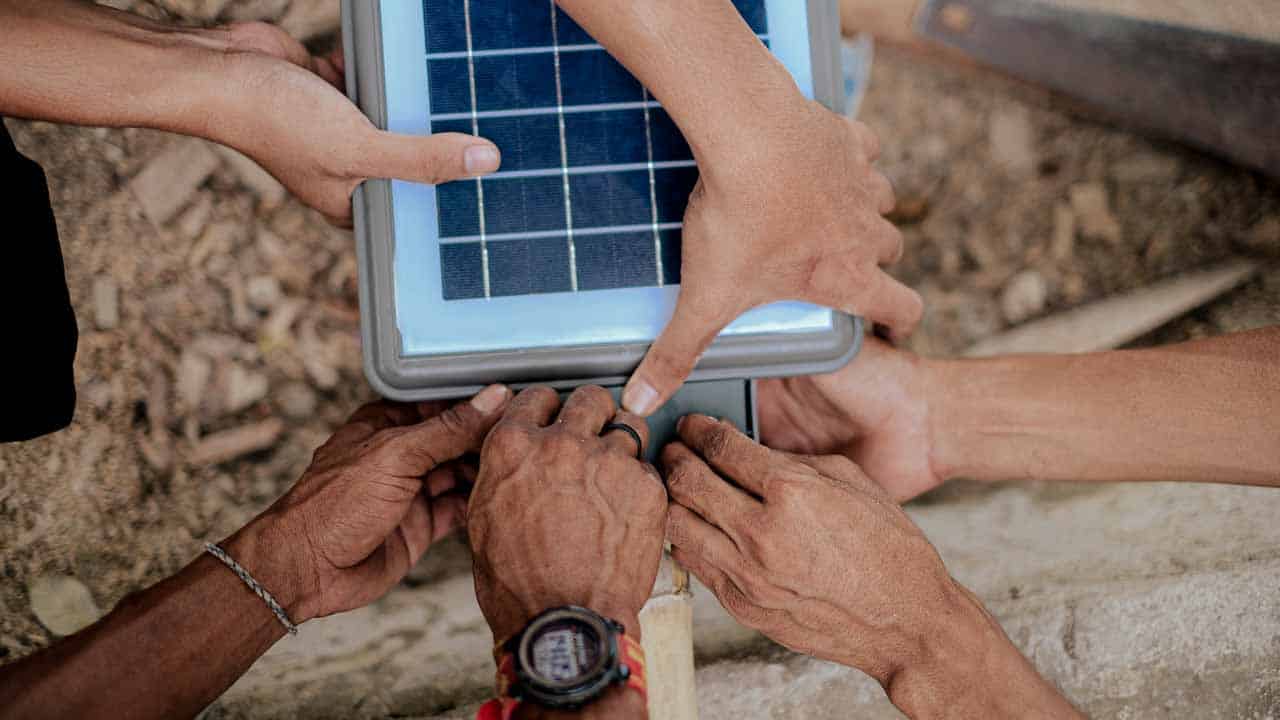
x=565, y=652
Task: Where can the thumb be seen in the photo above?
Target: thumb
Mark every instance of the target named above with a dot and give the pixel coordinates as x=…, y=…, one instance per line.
x=673, y=355
x=417, y=450
x=429, y=159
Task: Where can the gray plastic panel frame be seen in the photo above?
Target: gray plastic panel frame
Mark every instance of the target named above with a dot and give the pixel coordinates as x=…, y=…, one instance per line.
x=411, y=378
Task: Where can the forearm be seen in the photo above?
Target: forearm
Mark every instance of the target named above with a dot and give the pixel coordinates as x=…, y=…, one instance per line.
x=700, y=59
x=76, y=62
x=166, y=652
x=968, y=668
x=1207, y=411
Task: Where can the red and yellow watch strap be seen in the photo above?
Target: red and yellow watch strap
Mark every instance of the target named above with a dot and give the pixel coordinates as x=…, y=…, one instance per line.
x=504, y=706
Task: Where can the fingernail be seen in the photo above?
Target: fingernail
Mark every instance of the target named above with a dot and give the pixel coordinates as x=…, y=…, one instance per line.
x=640, y=398
x=490, y=399
x=482, y=159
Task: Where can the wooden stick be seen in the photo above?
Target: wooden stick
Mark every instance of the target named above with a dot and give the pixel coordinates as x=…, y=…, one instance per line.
x=666, y=625
x=1108, y=324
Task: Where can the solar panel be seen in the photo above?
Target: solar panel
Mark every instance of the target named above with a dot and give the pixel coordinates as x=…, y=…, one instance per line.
x=596, y=176
x=565, y=263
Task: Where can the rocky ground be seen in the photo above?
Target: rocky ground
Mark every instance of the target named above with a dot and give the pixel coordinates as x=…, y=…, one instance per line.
x=219, y=346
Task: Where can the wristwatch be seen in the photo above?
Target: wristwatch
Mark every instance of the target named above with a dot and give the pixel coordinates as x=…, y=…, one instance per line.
x=566, y=658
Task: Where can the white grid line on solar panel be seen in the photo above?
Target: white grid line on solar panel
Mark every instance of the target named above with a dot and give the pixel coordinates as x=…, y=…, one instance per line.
x=579, y=232
x=653, y=194
x=475, y=130
x=564, y=151
x=537, y=50
x=550, y=110
x=594, y=170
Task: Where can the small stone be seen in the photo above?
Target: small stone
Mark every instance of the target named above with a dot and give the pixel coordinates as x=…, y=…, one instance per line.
x=1012, y=140
x=1064, y=232
x=1146, y=167
x=195, y=219
x=106, y=303
x=257, y=10
x=1264, y=236
x=228, y=445
x=1093, y=211
x=909, y=210
x=62, y=603
x=241, y=389
x=194, y=372
x=262, y=184
x=263, y=292
x=218, y=239
x=297, y=401
x=168, y=182
x=1025, y=296
x=309, y=19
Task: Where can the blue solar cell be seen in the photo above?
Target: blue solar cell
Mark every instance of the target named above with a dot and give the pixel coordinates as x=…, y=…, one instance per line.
x=605, y=138
x=528, y=142
x=461, y=268
x=514, y=82
x=671, y=247
x=668, y=143
x=624, y=157
x=593, y=77
x=450, y=86
x=524, y=204
x=672, y=186
x=616, y=261
x=754, y=11
x=459, y=204
x=611, y=199
x=495, y=25
x=529, y=267
x=569, y=32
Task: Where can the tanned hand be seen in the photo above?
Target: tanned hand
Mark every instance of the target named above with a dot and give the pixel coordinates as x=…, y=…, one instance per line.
x=814, y=554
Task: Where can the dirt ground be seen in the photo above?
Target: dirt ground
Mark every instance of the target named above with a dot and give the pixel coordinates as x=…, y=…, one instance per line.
x=239, y=312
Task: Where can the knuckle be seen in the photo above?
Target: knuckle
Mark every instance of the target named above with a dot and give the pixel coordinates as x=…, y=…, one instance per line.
x=682, y=479
x=719, y=442
x=562, y=445
x=453, y=421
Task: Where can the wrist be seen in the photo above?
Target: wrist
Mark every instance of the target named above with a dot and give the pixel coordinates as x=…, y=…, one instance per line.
x=508, y=625
x=955, y=656
x=277, y=562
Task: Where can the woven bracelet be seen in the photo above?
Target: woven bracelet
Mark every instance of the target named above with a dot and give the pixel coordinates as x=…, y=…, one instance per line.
x=257, y=589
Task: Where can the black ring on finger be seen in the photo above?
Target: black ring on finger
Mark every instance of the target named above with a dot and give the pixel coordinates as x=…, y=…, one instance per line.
x=635, y=435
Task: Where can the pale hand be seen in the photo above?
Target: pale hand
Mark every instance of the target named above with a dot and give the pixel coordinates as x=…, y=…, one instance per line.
x=284, y=108
x=795, y=212
x=875, y=411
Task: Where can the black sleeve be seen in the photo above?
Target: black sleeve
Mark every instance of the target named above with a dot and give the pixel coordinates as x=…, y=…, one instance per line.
x=37, y=385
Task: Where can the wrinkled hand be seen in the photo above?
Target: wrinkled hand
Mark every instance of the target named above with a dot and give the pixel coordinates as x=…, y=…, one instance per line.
x=875, y=411
x=807, y=550
x=284, y=108
x=563, y=516
x=796, y=214
x=376, y=496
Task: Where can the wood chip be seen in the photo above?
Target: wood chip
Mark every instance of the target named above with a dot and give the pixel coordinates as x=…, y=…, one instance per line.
x=231, y=444
x=167, y=183
x=262, y=184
